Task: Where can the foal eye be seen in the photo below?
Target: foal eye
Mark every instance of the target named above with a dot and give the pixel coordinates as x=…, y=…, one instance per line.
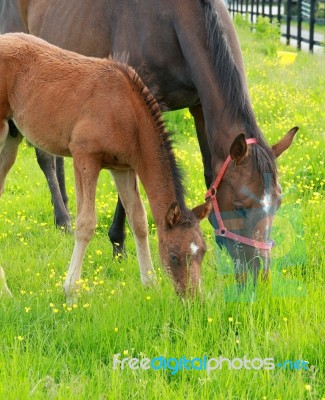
x=174, y=259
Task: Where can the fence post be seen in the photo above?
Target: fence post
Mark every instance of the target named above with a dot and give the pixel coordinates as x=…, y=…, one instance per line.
x=311, y=25
x=288, y=22
x=299, y=20
x=279, y=10
x=257, y=8
x=263, y=8
x=270, y=10
x=252, y=12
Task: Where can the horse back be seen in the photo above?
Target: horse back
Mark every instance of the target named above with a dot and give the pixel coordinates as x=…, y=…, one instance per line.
x=150, y=34
x=59, y=94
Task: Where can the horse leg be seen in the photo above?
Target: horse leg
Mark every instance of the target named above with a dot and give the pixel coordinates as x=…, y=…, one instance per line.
x=60, y=174
x=86, y=170
x=197, y=114
x=8, y=154
x=47, y=162
x=128, y=189
x=116, y=232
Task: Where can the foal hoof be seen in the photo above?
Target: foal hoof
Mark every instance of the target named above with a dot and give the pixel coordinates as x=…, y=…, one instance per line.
x=149, y=279
x=70, y=296
x=4, y=290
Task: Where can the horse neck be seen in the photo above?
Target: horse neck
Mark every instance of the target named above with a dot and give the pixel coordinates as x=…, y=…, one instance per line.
x=222, y=128
x=157, y=171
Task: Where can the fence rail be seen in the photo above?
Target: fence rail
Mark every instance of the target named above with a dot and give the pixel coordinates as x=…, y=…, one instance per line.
x=290, y=14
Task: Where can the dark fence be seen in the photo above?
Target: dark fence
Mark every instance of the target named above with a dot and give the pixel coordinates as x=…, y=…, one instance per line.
x=290, y=14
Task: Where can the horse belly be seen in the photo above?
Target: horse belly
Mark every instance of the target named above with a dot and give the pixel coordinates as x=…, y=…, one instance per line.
x=46, y=138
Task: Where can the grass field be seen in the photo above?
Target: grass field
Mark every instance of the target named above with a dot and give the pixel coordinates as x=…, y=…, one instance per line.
x=50, y=350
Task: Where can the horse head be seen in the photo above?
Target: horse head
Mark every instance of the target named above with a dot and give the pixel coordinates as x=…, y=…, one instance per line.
x=182, y=246
x=245, y=197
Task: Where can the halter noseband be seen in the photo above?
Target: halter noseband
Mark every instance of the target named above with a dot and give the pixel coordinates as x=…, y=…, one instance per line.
x=223, y=231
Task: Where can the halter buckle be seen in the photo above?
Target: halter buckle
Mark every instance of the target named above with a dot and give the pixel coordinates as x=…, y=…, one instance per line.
x=212, y=192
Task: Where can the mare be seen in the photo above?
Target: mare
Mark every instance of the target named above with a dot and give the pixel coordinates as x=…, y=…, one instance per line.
x=103, y=116
x=187, y=53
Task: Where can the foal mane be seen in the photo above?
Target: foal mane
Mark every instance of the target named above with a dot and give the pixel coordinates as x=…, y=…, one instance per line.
x=164, y=136
x=233, y=89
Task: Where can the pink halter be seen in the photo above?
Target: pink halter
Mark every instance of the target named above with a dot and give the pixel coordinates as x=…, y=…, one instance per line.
x=223, y=231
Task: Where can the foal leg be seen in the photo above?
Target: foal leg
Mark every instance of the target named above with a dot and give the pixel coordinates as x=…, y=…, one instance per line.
x=86, y=170
x=128, y=189
x=47, y=162
x=8, y=152
x=8, y=155
x=116, y=232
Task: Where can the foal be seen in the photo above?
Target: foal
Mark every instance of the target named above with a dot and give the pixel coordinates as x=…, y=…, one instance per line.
x=100, y=113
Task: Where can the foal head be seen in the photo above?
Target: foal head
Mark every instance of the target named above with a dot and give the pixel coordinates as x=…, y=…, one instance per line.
x=248, y=197
x=182, y=247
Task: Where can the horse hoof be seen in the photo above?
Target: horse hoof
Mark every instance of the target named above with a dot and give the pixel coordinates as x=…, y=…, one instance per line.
x=4, y=290
x=68, y=229
x=65, y=227
x=118, y=251
x=70, y=296
x=149, y=279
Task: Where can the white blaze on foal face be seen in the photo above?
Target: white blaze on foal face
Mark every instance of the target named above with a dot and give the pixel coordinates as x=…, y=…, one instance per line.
x=194, y=248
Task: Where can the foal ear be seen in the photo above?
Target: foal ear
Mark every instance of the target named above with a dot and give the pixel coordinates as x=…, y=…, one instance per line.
x=203, y=210
x=238, y=148
x=284, y=143
x=173, y=215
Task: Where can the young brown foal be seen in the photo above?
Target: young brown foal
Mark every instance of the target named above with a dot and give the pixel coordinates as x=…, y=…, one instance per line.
x=100, y=113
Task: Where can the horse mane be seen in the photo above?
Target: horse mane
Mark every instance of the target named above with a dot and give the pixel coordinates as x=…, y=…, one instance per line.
x=233, y=89
x=164, y=135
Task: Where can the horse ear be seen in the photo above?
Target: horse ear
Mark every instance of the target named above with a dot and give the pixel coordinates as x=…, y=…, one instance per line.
x=203, y=210
x=173, y=215
x=284, y=143
x=238, y=148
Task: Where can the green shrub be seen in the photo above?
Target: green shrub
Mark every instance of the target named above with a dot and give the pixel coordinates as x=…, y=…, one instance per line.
x=269, y=33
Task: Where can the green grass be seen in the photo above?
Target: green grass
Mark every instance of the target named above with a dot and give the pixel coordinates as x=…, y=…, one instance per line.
x=52, y=351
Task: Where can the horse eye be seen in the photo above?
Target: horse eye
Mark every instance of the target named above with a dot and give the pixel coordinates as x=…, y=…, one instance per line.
x=240, y=210
x=174, y=259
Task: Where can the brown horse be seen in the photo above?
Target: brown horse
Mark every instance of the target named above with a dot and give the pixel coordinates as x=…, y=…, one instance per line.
x=103, y=116
x=188, y=54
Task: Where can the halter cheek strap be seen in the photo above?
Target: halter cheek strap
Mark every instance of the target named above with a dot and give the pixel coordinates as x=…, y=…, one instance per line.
x=223, y=231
